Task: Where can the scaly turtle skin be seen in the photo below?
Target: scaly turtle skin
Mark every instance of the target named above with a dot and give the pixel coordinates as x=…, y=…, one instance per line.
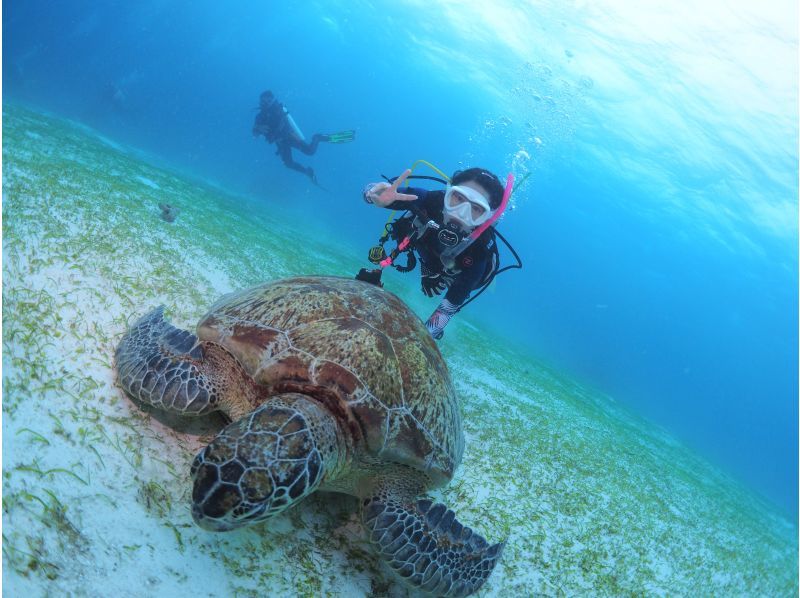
x=330, y=384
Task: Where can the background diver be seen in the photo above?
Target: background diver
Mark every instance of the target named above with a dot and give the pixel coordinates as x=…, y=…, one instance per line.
x=445, y=223
x=274, y=122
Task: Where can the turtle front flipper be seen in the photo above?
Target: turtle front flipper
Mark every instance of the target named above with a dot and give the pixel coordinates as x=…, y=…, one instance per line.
x=430, y=550
x=171, y=369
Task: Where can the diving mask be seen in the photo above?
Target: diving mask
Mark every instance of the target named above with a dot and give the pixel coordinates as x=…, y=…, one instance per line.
x=467, y=205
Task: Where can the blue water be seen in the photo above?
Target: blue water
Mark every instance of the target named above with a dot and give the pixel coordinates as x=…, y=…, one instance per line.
x=658, y=227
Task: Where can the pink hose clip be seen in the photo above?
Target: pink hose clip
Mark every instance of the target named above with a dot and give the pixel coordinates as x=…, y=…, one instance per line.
x=387, y=261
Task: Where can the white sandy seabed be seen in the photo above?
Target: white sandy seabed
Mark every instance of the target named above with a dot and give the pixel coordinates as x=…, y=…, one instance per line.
x=592, y=500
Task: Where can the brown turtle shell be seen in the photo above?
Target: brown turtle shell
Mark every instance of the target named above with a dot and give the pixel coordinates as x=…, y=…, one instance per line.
x=359, y=351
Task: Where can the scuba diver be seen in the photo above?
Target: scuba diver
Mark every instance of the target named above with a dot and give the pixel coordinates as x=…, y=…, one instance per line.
x=450, y=231
x=277, y=126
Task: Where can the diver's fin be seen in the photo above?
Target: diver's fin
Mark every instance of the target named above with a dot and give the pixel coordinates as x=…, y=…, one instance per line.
x=311, y=175
x=341, y=136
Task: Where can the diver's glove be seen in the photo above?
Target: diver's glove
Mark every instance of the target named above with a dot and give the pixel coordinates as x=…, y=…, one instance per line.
x=440, y=318
x=372, y=191
x=433, y=283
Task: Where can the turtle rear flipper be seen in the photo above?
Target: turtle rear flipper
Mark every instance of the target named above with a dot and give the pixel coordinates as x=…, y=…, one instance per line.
x=170, y=368
x=425, y=544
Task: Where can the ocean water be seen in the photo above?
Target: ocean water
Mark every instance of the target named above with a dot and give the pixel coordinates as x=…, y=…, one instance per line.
x=629, y=397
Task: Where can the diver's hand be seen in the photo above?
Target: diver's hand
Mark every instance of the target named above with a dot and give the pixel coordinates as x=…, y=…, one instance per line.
x=260, y=130
x=372, y=191
x=382, y=194
x=433, y=283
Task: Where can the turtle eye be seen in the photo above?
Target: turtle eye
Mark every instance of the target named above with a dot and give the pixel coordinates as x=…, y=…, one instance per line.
x=254, y=514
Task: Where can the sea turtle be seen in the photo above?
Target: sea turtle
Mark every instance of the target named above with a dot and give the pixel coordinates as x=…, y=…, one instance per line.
x=330, y=384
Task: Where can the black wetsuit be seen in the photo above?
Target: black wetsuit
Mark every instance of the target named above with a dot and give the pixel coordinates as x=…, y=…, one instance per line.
x=273, y=123
x=471, y=266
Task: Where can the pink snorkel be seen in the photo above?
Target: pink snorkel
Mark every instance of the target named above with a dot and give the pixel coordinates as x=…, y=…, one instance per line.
x=506, y=194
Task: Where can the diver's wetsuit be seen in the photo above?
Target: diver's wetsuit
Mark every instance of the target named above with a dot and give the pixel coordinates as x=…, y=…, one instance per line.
x=273, y=123
x=471, y=266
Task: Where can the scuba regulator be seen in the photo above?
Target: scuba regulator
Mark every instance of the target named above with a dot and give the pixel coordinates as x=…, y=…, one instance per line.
x=449, y=235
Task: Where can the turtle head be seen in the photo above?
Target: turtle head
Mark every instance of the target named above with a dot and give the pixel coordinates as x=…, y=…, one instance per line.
x=261, y=464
